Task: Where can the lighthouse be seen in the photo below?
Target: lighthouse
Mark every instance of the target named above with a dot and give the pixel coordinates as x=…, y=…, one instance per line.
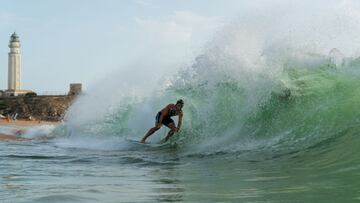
x=14, y=68
x=14, y=64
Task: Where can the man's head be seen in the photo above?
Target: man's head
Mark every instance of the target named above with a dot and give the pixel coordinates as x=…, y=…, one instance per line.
x=179, y=103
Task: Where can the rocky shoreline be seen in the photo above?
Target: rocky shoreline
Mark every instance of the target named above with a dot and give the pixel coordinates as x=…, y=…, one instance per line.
x=43, y=108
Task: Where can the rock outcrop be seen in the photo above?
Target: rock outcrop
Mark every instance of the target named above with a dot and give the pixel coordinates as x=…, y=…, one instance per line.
x=49, y=108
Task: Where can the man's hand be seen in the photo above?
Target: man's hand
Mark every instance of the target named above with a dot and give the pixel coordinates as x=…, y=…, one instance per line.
x=177, y=129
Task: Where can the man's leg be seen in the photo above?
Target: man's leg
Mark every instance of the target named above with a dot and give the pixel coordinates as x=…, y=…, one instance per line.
x=150, y=132
x=171, y=132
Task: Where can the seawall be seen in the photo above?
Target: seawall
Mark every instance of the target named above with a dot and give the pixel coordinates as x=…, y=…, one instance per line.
x=49, y=108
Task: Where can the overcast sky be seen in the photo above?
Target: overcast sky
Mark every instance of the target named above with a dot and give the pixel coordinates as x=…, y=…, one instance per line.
x=71, y=41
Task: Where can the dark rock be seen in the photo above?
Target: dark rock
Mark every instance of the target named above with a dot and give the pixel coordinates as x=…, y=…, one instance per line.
x=50, y=108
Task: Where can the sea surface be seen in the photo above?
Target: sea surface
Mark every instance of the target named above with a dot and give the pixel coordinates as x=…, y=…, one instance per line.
x=49, y=171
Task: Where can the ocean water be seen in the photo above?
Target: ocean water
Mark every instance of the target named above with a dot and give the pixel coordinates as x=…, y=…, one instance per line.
x=271, y=115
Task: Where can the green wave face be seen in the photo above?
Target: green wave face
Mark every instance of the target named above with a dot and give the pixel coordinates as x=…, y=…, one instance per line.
x=303, y=105
x=298, y=108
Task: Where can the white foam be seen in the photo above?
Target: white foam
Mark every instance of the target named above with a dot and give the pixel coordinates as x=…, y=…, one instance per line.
x=38, y=131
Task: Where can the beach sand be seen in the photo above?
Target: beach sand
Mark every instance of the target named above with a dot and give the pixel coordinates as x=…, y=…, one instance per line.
x=26, y=122
x=16, y=135
x=4, y=137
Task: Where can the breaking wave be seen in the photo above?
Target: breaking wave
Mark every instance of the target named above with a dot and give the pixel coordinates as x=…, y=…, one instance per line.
x=255, y=88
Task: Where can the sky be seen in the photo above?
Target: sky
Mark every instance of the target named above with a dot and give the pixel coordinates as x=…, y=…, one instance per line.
x=78, y=41
x=85, y=41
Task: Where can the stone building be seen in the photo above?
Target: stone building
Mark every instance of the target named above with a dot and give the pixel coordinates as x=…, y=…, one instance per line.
x=75, y=89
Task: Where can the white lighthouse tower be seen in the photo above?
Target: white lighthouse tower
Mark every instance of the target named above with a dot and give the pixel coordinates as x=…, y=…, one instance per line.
x=14, y=74
x=14, y=67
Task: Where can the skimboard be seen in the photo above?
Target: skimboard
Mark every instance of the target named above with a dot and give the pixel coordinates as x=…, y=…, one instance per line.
x=137, y=142
x=147, y=144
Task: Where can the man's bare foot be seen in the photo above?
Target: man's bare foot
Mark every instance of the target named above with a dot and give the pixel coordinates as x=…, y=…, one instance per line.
x=142, y=141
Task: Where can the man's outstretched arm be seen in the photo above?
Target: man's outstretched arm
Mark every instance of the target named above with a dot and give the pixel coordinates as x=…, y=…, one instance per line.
x=179, y=121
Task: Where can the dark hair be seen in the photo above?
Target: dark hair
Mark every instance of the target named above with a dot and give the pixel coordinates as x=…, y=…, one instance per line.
x=180, y=101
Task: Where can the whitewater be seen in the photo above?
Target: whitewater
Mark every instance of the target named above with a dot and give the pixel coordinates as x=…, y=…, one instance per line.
x=271, y=115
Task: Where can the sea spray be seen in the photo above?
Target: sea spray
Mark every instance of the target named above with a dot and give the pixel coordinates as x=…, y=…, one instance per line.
x=258, y=86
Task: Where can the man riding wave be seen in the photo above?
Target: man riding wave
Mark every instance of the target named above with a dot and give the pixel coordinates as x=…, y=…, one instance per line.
x=164, y=117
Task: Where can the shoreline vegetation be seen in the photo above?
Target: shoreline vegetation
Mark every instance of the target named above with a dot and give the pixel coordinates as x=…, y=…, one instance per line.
x=21, y=124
